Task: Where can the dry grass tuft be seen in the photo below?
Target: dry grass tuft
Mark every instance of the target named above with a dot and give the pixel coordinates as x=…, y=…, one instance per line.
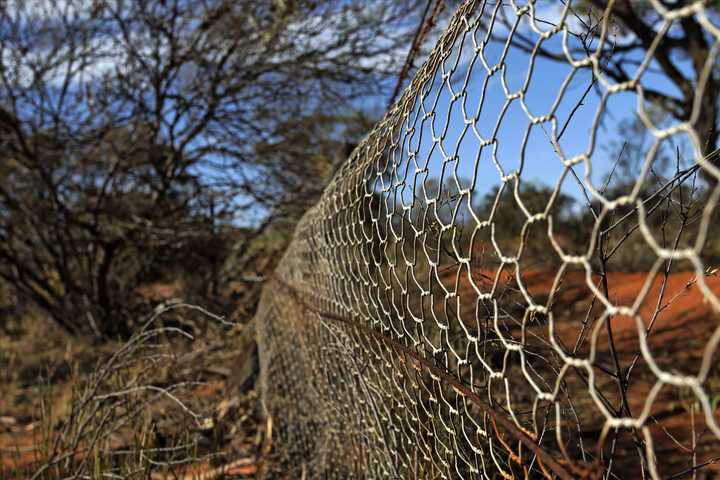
x=163, y=404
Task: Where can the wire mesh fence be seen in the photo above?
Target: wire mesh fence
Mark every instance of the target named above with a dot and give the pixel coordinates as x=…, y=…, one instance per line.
x=515, y=273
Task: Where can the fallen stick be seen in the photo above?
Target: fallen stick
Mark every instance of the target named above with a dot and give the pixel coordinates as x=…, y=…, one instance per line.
x=232, y=468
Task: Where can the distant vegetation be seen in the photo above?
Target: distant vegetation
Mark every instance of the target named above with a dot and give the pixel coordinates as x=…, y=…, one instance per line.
x=174, y=142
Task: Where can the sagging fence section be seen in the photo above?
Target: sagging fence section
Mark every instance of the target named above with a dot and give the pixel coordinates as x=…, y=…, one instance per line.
x=515, y=273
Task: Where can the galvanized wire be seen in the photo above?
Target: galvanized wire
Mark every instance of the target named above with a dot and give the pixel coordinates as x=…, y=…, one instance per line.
x=423, y=324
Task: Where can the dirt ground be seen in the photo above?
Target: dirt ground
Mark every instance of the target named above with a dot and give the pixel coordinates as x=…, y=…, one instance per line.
x=41, y=369
x=679, y=321
x=43, y=373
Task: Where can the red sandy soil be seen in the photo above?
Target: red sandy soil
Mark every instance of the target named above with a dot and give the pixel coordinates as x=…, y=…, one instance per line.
x=159, y=291
x=684, y=314
x=18, y=444
x=24, y=439
x=677, y=340
x=21, y=450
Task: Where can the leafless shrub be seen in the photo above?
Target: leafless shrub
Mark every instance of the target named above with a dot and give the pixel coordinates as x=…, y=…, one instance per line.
x=138, y=414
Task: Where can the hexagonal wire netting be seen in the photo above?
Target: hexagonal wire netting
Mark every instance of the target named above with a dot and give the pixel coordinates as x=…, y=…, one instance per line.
x=515, y=272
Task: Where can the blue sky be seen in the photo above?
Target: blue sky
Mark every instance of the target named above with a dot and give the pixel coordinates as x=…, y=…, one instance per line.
x=487, y=97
